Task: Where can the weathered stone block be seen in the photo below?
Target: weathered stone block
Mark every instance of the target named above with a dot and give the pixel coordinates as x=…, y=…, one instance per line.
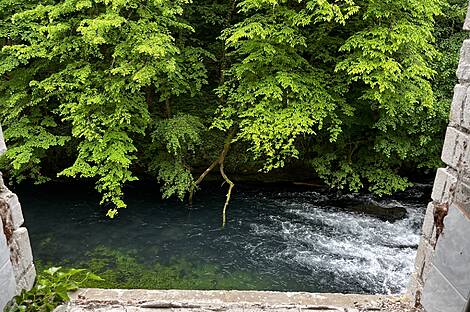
x=415, y=285
x=27, y=280
x=21, y=254
x=7, y=278
x=455, y=151
x=443, y=183
x=420, y=257
x=428, y=224
x=465, y=112
x=7, y=284
x=13, y=208
x=4, y=249
x=439, y=295
x=463, y=71
x=452, y=256
x=464, y=172
x=462, y=197
x=2, y=183
x=458, y=103
x=423, y=259
x=466, y=24
x=3, y=146
x=460, y=109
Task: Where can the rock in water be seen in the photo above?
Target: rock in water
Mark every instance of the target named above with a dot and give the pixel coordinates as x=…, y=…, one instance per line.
x=384, y=212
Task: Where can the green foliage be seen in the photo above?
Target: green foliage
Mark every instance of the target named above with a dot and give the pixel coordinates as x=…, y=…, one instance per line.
x=174, y=139
x=98, y=71
x=113, y=90
x=272, y=92
x=388, y=69
x=449, y=38
x=360, y=110
x=50, y=290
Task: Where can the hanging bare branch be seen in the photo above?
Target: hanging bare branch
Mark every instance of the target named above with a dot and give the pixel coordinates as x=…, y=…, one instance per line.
x=220, y=162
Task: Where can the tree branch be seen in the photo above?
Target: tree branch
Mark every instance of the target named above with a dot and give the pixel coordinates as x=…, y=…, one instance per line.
x=219, y=161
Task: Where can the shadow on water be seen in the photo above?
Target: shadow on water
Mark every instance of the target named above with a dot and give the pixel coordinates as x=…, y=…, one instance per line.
x=276, y=238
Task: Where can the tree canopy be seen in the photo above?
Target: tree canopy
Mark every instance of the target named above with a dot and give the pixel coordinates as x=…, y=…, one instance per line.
x=113, y=90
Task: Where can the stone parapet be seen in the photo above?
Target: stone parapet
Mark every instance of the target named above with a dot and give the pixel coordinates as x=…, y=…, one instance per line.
x=139, y=300
x=441, y=282
x=17, y=271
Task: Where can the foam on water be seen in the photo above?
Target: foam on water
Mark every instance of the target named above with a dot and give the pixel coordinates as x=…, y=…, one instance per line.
x=375, y=254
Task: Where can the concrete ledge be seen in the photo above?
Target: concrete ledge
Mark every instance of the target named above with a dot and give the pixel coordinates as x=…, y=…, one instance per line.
x=214, y=300
x=222, y=296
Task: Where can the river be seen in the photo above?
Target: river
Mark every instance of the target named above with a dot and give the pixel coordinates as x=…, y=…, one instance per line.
x=279, y=238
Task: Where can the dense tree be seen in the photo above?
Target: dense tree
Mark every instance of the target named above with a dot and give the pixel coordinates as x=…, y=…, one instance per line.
x=96, y=76
x=111, y=90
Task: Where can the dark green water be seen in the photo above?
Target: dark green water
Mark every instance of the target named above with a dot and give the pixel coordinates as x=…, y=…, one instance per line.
x=275, y=239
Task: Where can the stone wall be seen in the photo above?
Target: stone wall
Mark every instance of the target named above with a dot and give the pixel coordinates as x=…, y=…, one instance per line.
x=441, y=282
x=16, y=259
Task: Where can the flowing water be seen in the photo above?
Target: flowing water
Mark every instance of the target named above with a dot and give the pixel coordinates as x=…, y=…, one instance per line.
x=276, y=238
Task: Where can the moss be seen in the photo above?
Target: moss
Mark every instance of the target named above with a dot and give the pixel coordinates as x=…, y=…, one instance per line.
x=122, y=269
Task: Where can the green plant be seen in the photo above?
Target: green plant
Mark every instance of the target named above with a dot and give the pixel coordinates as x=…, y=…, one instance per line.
x=114, y=90
x=50, y=290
